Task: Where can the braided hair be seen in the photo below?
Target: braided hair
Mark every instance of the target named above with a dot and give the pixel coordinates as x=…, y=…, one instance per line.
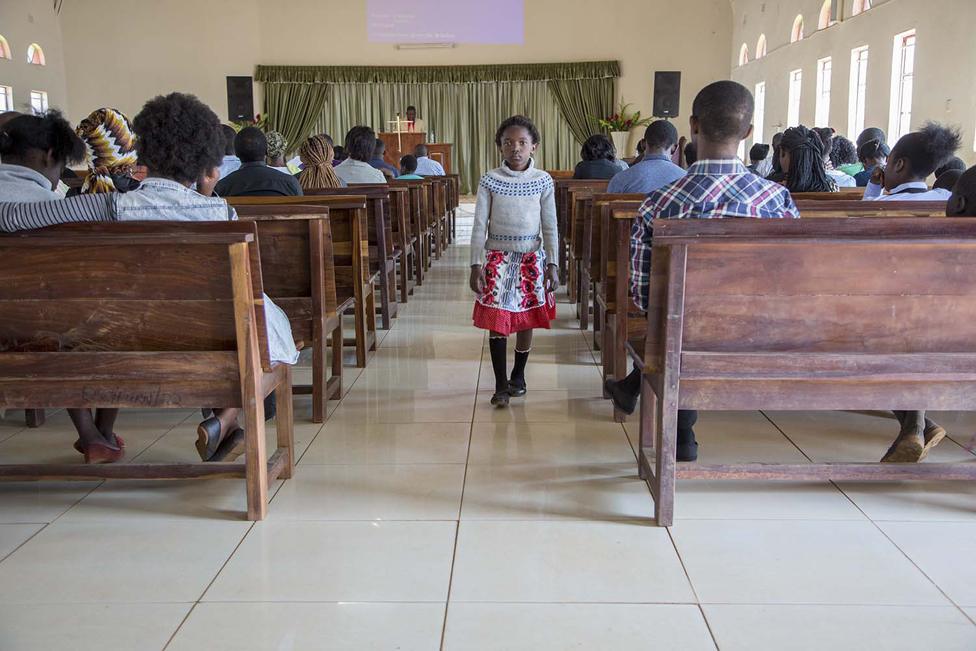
x=316, y=154
x=807, y=172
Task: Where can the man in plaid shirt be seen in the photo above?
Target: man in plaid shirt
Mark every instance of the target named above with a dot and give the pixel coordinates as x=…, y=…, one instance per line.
x=718, y=185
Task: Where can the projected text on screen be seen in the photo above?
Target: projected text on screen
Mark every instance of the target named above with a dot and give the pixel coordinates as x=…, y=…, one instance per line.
x=439, y=21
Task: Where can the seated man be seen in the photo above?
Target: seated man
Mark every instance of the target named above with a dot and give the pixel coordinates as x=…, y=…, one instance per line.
x=379, y=162
x=426, y=166
x=408, y=169
x=255, y=178
x=360, y=143
x=717, y=185
x=230, y=162
x=655, y=169
x=962, y=203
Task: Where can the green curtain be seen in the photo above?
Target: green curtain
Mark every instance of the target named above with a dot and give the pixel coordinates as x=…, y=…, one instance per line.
x=582, y=102
x=293, y=109
x=462, y=105
x=466, y=115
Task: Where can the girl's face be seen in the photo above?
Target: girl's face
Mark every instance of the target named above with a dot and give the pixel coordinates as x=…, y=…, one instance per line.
x=517, y=147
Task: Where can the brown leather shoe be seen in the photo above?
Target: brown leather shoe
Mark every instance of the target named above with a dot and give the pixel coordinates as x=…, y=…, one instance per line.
x=907, y=448
x=934, y=433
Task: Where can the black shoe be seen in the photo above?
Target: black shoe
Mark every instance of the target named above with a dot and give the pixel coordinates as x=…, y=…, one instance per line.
x=622, y=400
x=500, y=399
x=687, y=447
x=516, y=388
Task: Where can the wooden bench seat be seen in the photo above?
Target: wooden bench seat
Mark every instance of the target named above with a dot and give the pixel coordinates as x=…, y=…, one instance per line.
x=820, y=314
x=298, y=267
x=350, y=247
x=143, y=315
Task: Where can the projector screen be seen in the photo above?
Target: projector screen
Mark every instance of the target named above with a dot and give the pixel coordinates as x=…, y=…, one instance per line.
x=455, y=21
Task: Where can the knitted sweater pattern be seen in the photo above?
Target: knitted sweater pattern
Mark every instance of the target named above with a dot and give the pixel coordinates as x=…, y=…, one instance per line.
x=515, y=211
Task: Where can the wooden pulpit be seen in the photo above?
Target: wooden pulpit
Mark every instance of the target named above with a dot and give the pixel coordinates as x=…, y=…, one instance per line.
x=401, y=144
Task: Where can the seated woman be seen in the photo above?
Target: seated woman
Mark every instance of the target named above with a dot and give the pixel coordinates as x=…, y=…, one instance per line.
x=802, y=159
x=111, y=147
x=842, y=179
x=277, y=145
x=35, y=150
x=180, y=142
x=914, y=158
x=599, y=159
x=317, y=156
x=872, y=154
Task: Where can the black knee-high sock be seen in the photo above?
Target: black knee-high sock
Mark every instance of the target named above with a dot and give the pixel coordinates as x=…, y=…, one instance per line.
x=498, y=346
x=521, y=358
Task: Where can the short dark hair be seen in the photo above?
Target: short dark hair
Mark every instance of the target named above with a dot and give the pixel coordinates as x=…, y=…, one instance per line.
x=360, y=143
x=48, y=132
x=420, y=151
x=408, y=164
x=328, y=139
x=379, y=148
x=724, y=110
x=411, y=108
x=229, y=137
x=691, y=153
x=598, y=147
x=872, y=149
x=759, y=151
x=178, y=137
x=927, y=148
x=962, y=203
x=660, y=134
x=843, y=153
x=340, y=153
x=517, y=121
x=947, y=180
x=251, y=145
x=954, y=163
x=872, y=133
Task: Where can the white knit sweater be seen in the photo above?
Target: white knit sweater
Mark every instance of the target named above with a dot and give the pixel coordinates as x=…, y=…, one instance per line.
x=515, y=211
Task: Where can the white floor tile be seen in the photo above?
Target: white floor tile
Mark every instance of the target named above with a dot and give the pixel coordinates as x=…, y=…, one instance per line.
x=345, y=442
x=944, y=551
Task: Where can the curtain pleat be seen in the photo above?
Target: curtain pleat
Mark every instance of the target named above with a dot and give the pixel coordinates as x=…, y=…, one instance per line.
x=582, y=102
x=293, y=109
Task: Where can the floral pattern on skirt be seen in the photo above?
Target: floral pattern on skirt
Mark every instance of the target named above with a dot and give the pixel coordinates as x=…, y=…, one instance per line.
x=514, y=296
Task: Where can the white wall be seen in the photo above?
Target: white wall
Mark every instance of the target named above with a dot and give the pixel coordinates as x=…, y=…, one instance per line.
x=191, y=45
x=945, y=86
x=23, y=22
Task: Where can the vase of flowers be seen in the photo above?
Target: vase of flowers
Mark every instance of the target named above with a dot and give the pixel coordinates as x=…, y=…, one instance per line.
x=619, y=126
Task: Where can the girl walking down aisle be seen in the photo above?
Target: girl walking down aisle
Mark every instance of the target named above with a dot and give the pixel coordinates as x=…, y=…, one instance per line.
x=514, y=253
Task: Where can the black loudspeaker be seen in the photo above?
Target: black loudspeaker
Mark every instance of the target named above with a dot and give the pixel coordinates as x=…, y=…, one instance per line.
x=667, y=94
x=240, y=98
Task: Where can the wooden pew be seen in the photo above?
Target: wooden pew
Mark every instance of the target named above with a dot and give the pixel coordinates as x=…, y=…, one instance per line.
x=878, y=331
x=420, y=222
x=383, y=252
x=143, y=315
x=563, y=216
x=580, y=202
x=298, y=267
x=821, y=209
x=453, y=203
x=844, y=194
x=350, y=246
x=441, y=187
x=560, y=174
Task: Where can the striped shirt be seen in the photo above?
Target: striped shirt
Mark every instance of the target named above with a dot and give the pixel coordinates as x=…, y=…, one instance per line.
x=712, y=189
x=40, y=214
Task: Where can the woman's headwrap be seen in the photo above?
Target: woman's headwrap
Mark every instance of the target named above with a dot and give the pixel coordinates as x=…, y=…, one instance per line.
x=111, y=146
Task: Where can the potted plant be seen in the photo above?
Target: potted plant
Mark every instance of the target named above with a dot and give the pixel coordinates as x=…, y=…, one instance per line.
x=619, y=126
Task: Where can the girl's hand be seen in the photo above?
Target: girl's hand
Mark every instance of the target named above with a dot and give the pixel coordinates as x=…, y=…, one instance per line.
x=877, y=176
x=477, y=281
x=552, y=278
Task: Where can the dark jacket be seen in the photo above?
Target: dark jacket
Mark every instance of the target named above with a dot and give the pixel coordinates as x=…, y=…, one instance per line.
x=381, y=165
x=258, y=180
x=596, y=169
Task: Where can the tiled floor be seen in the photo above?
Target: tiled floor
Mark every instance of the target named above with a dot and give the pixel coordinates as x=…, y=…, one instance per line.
x=421, y=518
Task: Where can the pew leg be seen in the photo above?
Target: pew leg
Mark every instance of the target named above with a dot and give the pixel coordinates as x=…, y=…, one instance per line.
x=320, y=381
x=597, y=325
x=285, y=424
x=606, y=356
x=418, y=262
x=337, y=361
x=371, y=316
x=404, y=276
x=359, y=323
x=256, y=456
x=666, y=419
x=619, y=361
x=584, y=300
x=648, y=434
x=35, y=417
x=385, y=308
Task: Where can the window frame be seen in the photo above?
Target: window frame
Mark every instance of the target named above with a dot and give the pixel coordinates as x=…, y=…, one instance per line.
x=42, y=96
x=857, y=102
x=7, y=92
x=902, y=82
x=35, y=48
x=822, y=115
x=759, y=115
x=795, y=97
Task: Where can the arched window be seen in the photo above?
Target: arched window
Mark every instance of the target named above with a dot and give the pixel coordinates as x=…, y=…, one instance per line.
x=797, y=33
x=35, y=55
x=860, y=6
x=743, y=55
x=761, y=46
x=4, y=48
x=825, y=11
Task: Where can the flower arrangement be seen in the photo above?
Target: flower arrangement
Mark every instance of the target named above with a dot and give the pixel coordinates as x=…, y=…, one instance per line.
x=622, y=121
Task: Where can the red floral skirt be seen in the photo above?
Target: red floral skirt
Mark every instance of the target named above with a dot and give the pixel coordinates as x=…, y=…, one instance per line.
x=514, y=297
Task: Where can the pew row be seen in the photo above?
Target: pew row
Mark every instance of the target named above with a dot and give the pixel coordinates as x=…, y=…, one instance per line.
x=733, y=326
x=143, y=315
x=350, y=246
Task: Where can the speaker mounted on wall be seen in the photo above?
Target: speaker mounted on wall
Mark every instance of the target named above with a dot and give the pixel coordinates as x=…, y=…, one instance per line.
x=240, y=98
x=667, y=94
